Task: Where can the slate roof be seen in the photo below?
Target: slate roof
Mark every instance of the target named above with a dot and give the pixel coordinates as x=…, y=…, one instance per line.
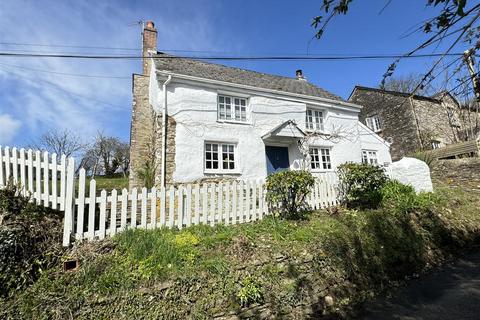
x=360, y=89
x=220, y=72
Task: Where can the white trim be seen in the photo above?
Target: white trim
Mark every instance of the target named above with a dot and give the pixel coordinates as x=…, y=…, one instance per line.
x=220, y=170
x=319, y=148
x=342, y=105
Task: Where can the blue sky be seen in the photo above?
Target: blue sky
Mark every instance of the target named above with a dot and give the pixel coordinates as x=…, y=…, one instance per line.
x=33, y=101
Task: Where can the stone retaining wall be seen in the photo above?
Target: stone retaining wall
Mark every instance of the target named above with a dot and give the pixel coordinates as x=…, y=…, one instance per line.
x=460, y=171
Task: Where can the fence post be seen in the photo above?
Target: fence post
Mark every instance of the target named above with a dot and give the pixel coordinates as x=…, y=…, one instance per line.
x=1, y=167
x=69, y=203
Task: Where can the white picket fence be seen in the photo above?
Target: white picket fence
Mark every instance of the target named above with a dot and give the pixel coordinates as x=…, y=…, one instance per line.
x=95, y=214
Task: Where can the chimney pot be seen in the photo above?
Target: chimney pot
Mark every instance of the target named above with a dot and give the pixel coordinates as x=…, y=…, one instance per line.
x=299, y=75
x=150, y=25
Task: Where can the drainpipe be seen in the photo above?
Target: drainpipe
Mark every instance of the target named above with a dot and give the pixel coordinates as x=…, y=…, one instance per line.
x=164, y=129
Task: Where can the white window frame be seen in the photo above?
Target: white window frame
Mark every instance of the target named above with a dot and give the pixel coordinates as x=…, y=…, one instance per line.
x=220, y=153
x=317, y=161
x=435, y=144
x=374, y=123
x=232, y=116
x=367, y=157
x=318, y=123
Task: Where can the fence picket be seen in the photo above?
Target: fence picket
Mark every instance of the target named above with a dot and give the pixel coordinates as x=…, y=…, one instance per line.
x=81, y=203
x=29, y=171
x=171, y=206
x=22, y=168
x=133, y=208
x=92, y=202
x=213, y=189
x=15, y=165
x=180, y=207
x=163, y=206
x=54, y=181
x=68, y=220
x=247, y=202
x=220, y=202
x=113, y=212
x=153, y=212
x=227, y=203
x=205, y=204
x=188, y=206
x=241, y=208
x=123, y=219
x=103, y=209
x=254, y=201
x=38, y=178
x=234, y=202
x=63, y=162
x=143, y=208
x=197, y=204
x=8, y=175
x=46, y=181
x=260, y=200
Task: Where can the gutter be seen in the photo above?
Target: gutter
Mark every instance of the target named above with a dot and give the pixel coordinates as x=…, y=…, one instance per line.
x=164, y=130
x=331, y=102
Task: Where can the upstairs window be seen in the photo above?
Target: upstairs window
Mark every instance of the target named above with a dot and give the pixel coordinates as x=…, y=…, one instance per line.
x=435, y=144
x=220, y=157
x=232, y=108
x=314, y=120
x=374, y=123
x=369, y=157
x=320, y=159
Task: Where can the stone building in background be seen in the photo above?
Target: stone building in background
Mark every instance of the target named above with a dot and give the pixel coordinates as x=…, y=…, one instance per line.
x=412, y=123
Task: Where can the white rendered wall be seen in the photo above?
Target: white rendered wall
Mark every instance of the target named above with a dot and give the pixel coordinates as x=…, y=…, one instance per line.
x=413, y=172
x=194, y=109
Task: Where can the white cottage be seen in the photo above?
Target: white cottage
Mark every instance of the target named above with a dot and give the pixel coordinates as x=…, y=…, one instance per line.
x=207, y=120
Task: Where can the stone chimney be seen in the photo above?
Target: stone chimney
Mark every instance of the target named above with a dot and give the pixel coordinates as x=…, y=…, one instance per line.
x=149, y=35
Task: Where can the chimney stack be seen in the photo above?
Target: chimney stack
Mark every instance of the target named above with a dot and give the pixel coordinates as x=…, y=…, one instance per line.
x=149, y=35
x=299, y=75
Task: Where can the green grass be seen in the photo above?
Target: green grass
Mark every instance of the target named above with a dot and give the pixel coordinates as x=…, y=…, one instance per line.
x=200, y=271
x=110, y=183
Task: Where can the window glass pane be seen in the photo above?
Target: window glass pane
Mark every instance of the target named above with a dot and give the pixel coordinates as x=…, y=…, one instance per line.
x=221, y=99
x=215, y=165
x=208, y=165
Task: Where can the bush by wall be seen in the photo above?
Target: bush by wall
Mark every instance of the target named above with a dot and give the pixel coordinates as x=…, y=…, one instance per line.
x=287, y=192
x=360, y=184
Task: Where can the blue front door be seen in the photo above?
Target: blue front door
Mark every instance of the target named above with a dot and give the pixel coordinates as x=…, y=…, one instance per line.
x=277, y=159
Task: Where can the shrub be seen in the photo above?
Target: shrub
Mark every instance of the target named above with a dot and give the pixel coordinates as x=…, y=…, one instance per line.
x=286, y=192
x=426, y=156
x=403, y=198
x=360, y=184
x=30, y=240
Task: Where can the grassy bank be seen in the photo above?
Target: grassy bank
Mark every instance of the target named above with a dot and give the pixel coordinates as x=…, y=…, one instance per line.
x=270, y=268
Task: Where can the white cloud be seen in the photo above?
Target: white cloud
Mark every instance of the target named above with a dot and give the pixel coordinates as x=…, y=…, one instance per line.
x=81, y=104
x=8, y=128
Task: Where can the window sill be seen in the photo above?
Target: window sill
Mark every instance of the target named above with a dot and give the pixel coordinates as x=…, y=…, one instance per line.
x=322, y=170
x=321, y=132
x=245, y=123
x=221, y=173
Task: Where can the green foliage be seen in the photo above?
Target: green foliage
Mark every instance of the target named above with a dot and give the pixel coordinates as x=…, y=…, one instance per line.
x=147, y=173
x=360, y=184
x=250, y=291
x=30, y=240
x=425, y=156
x=287, y=191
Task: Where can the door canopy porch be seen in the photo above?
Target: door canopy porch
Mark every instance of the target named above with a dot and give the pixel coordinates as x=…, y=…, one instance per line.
x=286, y=133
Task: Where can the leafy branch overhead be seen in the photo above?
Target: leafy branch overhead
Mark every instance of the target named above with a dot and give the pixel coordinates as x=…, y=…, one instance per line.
x=453, y=21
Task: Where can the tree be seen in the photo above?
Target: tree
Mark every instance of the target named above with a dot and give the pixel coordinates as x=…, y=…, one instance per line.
x=405, y=84
x=455, y=22
x=60, y=142
x=107, y=155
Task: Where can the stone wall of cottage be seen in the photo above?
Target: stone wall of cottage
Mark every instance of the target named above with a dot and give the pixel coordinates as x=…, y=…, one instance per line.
x=142, y=126
x=398, y=122
x=146, y=135
x=434, y=122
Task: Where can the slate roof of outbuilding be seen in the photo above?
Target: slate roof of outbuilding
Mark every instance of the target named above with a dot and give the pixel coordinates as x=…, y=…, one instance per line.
x=202, y=69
